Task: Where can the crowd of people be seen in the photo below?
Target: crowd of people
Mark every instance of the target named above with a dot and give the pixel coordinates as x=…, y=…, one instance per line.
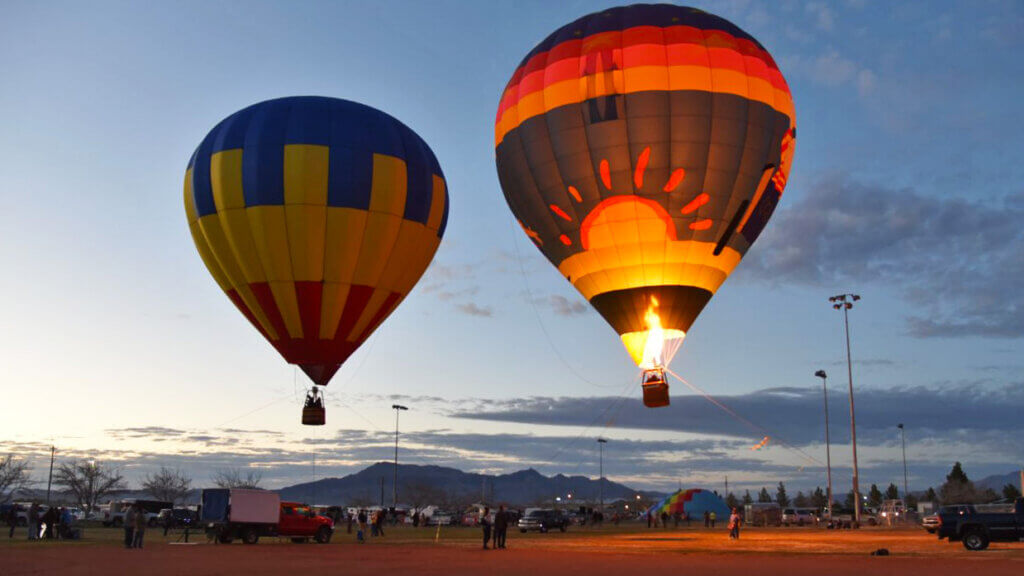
x=709, y=516
x=43, y=522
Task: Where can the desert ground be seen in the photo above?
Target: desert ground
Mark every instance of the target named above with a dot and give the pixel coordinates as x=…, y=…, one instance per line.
x=610, y=550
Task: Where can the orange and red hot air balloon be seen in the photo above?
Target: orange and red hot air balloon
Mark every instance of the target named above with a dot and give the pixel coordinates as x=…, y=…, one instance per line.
x=643, y=149
x=316, y=216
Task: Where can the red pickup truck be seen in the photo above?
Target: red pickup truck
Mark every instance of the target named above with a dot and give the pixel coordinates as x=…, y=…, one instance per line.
x=249, y=514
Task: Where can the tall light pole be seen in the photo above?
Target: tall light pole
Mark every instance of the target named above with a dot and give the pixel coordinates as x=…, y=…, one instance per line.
x=398, y=410
x=903, y=440
x=600, y=481
x=844, y=302
x=828, y=451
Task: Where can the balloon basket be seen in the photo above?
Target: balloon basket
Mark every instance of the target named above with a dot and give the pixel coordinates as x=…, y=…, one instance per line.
x=314, y=416
x=655, y=388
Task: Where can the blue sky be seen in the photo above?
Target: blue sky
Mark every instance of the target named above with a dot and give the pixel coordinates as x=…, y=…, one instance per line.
x=906, y=188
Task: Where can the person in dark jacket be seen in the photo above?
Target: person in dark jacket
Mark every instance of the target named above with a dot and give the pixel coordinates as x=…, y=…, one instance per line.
x=361, y=533
x=12, y=519
x=500, y=527
x=129, y=527
x=485, y=523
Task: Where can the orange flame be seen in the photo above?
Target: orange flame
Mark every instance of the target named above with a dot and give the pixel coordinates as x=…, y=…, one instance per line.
x=655, y=343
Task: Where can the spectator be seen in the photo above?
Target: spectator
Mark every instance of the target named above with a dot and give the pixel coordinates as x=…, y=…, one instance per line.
x=12, y=519
x=712, y=516
x=485, y=523
x=500, y=527
x=140, y=526
x=33, y=522
x=734, y=525
x=380, y=522
x=707, y=519
x=361, y=533
x=129, y=527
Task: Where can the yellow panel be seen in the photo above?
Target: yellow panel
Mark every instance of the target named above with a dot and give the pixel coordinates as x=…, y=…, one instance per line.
x=306, y=234
x=207, y=256
x=288, y=305
x=372, y=307
x=625, y=233
x=379, y=238
x=389, y=185
x=305, y=174
x=226, y=179
x=332, y=304
x=270, y=233
x=404, y=255
x=220, y=248
x=344, y=238
x=235, y=222
x=437, y=202
x=190, y=202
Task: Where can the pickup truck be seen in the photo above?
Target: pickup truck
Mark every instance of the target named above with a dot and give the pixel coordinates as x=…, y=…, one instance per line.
x=977, y=526
x=248, y=514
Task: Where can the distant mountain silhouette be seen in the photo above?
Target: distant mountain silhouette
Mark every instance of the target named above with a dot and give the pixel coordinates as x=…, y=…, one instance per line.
x=997, y=481
x=421, y=485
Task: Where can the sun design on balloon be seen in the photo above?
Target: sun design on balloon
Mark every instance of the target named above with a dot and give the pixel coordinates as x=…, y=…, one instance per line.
x=625, y=208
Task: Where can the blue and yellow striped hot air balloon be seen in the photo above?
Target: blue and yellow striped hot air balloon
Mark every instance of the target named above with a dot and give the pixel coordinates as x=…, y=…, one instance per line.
x=316, y=216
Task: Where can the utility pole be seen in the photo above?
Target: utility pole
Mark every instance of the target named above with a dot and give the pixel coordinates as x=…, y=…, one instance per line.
x=382, y=493
x=600, y=481
x=726, y=485
x=49, y=482
x=903, y=440
x=394, y=503
x=844, y=302
x=828, y=450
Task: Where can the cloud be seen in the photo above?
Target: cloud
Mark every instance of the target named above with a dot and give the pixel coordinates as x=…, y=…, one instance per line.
x=562, y=306
x=959, y=262
x=473, y=309
x=822, y=14
x=792, y=415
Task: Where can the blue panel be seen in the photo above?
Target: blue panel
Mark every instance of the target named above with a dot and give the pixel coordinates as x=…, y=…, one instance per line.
x=215, y=505
x=444, y=219
x=263, y=174
x=349, y=178
x=201, y=187
x=309, y=121
x=230, y=134
x=385, y=136
x=419, y=180
x=268, y=123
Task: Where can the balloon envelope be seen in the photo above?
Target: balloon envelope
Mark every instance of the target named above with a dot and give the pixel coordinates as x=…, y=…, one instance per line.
x=316, y=216
x=643, y=149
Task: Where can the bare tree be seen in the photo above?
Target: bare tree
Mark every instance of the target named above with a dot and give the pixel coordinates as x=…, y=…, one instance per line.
x=14, y=476
x=170, y=485
x=235, y=478
x=88, y=482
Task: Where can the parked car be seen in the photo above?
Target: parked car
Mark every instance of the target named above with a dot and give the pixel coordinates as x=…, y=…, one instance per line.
x=977, y=528
x=543, y=520
x=178, y=517
x=930, y=523
x=798, y=516
x=114, y=515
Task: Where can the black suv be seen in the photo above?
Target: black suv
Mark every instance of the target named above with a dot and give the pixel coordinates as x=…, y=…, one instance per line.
x=542, y=520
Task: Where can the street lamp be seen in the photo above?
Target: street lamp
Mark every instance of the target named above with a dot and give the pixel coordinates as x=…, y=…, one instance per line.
x=398, y=409
x=903, y=440
x=844, y=302
x=828, y=451
x=600, y=482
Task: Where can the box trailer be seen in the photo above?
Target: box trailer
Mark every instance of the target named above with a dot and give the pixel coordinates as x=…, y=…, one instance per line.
x=240, y=513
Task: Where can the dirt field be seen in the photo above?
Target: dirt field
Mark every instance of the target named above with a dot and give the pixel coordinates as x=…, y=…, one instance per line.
x=624, y=550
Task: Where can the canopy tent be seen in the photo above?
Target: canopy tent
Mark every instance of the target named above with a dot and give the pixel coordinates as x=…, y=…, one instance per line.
x=693, y=502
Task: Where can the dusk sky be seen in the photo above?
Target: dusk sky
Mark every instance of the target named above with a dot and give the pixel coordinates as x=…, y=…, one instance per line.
x=906, y=188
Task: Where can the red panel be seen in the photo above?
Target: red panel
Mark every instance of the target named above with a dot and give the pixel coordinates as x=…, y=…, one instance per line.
x=358, y=296
x=309, y=295
x=261, y=290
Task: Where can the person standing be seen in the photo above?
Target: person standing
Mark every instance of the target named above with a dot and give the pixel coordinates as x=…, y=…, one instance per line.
x=140, y=526
x=361, y=532
x=129, y=526
x=348, y=517
x=712, y=516
x=380, y=522
x=33, y=521
x=12, y=520
x=734, y=525
x=707, y=519
x=500, y=527
x=485, y=523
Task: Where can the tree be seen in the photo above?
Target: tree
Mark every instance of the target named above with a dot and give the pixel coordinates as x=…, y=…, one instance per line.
x=731, y=501
x=892, y=492
x=764, y=496
x=235, y=478
x=910, y=501
x=1010, y=492
x=780, y=495
x=819, y=499
x=874, y=496
x=850, y=499
x=958, y=488
x=169, y=485
x=14, y=477
x=88, y=482
x=747, y=499
x=801, y=501
x=930, y=495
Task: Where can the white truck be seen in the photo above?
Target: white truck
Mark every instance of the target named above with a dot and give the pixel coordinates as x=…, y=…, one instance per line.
x=248, y=514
